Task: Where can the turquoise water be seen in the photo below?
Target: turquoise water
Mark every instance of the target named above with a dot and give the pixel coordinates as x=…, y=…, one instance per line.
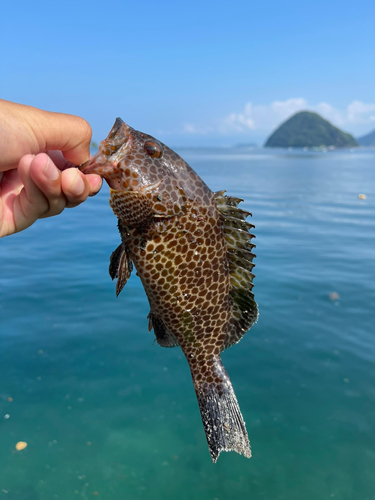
x=109, y=414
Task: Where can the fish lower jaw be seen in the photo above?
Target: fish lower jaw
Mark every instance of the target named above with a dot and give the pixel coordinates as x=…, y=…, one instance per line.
x=93, y=166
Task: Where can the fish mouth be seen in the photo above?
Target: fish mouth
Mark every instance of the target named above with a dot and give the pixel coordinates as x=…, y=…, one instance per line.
x=84, y=166
x=117, y=143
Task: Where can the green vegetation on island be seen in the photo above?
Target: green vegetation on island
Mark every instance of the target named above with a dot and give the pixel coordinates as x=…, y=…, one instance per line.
x=367, y=140
x=309, y=130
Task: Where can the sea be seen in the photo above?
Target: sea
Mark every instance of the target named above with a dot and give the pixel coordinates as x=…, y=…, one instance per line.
x=107, y=413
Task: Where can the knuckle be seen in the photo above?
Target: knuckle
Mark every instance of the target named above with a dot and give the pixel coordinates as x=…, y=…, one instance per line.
x=73, y=204
x=33, y=209
x=74, y=185
x=86, y=131
x=56, y=206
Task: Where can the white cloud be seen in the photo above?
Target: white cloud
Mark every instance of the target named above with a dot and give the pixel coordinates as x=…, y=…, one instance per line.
x=356, y=113
x=263, y=117
x=267, y=117
x=359, y=112
x=189, y=128
x=286, y=108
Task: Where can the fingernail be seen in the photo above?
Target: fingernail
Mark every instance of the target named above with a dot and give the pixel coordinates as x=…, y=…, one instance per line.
x=50, y=171
x=78, y=186
x=96, y=184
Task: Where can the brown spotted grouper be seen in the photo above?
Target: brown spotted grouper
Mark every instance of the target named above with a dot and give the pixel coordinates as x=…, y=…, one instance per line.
x=192, y=251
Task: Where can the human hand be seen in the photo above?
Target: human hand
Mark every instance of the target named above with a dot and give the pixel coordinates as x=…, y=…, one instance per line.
x=34, y=184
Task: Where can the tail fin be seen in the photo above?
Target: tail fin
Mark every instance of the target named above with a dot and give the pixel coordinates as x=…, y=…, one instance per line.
x=221, y=416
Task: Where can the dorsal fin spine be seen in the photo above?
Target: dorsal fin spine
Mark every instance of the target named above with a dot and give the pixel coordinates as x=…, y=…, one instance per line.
x=240, y=256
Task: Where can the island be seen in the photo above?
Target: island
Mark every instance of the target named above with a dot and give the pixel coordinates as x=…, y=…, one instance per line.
x=367, y=140
x=309, y=130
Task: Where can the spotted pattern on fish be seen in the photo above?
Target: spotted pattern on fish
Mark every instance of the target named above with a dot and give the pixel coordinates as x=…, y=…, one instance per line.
x=193, y=253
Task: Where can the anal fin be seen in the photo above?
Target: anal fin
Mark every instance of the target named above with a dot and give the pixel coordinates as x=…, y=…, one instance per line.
x=163, y=338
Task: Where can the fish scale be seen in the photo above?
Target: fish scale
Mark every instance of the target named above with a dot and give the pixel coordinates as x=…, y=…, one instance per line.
x=192, y=251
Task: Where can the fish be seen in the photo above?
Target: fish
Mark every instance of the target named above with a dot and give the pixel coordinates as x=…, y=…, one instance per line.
x=192, y=250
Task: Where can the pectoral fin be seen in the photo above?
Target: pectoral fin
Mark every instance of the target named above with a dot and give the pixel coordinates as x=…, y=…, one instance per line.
x=120, y=267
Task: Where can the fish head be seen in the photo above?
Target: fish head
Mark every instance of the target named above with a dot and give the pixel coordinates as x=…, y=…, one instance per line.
x=132, y=161
x=124, y=158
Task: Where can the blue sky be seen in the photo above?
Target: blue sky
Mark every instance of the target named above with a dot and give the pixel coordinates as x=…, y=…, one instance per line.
x=193, y=73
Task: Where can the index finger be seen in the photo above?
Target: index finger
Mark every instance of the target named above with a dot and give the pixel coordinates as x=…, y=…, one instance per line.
x=28, y=130
x=67, y=133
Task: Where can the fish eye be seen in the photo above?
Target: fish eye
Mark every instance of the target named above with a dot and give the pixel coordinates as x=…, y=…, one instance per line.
x=153, y=149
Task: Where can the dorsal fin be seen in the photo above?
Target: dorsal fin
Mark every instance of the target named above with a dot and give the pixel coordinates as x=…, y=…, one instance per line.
x=240, y=257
